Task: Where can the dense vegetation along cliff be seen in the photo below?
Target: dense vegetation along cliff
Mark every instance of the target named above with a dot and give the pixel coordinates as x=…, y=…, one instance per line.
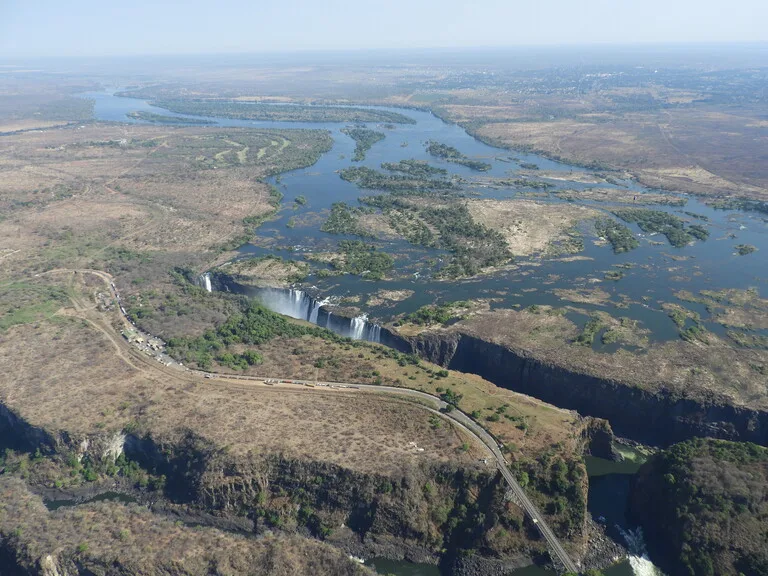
x=112, y=538
x=703, y=505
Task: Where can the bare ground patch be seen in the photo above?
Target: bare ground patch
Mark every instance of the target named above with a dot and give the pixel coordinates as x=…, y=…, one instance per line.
x=529, y=227
x=265, y=272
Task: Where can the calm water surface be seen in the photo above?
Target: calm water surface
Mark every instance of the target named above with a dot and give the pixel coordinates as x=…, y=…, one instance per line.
x=656, y=272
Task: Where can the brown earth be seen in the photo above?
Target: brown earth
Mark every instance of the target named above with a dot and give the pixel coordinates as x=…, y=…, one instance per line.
x=529, y=227
x=697, y=151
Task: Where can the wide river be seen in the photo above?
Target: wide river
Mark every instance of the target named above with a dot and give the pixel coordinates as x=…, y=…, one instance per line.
x=655, y=271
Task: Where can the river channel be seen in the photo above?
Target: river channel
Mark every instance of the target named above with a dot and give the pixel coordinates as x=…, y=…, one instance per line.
x=653, y=273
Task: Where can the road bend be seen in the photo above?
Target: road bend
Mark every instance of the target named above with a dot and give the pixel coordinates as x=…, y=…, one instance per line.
x=466, y=423
x=441, y=407
x=481, y=434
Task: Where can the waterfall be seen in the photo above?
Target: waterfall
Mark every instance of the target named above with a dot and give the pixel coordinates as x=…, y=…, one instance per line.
x=316, y=309
x=638, y=555
x=374, y=334
x=357, y=327
x=361, y=329
x=294, y=303
x=298, y=304
x=204, y=281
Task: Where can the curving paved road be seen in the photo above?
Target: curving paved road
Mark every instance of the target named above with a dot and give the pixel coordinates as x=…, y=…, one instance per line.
x=456, y=416
x=464, y=422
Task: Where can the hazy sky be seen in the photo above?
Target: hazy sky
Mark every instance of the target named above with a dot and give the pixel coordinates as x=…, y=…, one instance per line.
x=111, y=27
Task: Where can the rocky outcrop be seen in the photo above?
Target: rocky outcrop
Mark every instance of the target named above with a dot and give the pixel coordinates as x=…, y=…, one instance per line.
x=468, y=565
x=111, y=538
x=648, y=417
x=597, y=438
x=414, y=514
x=702, y=506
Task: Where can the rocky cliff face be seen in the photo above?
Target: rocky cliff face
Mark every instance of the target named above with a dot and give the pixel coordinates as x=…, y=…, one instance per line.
x=111, y=538
x=597, y=439
x=702, y=505
x=415, y=514
x=655, y=418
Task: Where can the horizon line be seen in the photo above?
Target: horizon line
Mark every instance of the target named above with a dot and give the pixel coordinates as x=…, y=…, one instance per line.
x=412, y=49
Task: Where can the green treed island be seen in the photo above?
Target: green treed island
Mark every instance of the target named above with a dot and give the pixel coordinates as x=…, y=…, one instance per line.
x=371, y=179
x=364, y=138
x=415, y=168
x=281, y=112
x=655, y=221
x=619, y=236
x=744, y=249
x=363, y=260
x=343, y=220
x=166, y=119
x=451, y=154
x=473, y=246
x=443, y=221
x=435, y=313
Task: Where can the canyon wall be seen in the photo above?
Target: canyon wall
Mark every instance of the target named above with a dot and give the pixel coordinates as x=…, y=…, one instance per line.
x=654, y=418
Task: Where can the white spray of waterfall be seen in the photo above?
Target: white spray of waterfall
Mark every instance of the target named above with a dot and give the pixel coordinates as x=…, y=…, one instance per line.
x=297, y=297
x=374, y=333
x=298, y=304
x=643, y=567
x=207, y=280
x=293, y=303
x=357, y=327
x=638, y=555
x=316, y=309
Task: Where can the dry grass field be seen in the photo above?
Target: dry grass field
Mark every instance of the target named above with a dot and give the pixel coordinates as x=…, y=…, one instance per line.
x=141, y=188
x=698, y=151
x=88, y=384
x=530, y=227
x=139, y=201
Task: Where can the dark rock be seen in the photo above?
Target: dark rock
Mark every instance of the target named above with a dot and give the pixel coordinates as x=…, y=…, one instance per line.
x=648, y=417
